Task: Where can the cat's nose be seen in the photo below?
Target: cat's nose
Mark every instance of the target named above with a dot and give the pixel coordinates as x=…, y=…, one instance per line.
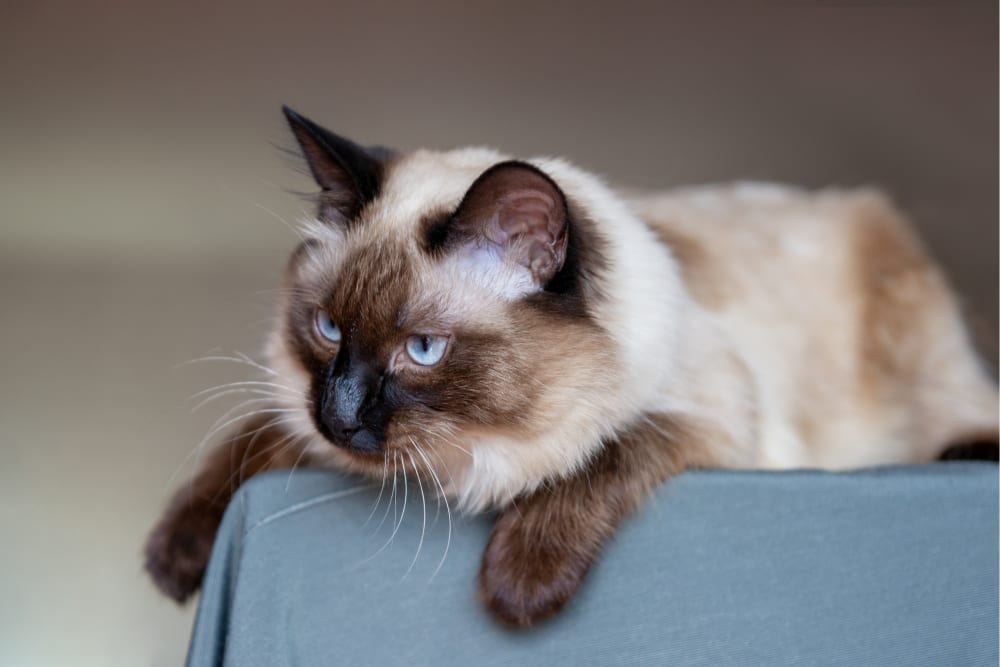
x=347, y=399
x=343, y=428
x=341, y=413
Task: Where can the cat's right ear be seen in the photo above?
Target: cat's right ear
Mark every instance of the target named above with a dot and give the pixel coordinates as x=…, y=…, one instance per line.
x=349, y=175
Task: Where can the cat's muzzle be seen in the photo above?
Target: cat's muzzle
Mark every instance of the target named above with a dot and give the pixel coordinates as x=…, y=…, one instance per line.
x=347, y=398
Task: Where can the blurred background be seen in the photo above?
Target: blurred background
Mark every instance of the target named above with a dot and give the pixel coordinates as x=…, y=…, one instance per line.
x=142, y=196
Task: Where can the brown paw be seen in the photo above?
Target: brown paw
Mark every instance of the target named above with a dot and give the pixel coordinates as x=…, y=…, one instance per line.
x=178, y=548
x=976, y=450
x=523, y=581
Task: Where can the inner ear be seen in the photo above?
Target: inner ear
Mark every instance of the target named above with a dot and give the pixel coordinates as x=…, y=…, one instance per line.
x=518, y=214
x=348, y=174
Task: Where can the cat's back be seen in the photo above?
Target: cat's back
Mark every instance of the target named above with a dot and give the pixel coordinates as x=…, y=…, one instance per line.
x=760, y=246
x=848, y=327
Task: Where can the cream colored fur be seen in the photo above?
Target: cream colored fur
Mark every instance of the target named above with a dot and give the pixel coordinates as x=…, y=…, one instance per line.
x=738, y=308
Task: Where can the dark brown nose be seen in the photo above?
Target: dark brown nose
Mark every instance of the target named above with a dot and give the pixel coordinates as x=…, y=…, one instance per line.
x=350, y=390
x=342, y=429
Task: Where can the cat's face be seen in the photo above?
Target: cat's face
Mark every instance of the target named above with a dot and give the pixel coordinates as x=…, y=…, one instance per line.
x=439, y=298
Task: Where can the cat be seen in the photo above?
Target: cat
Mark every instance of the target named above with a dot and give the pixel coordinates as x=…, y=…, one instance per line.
x=550, y=349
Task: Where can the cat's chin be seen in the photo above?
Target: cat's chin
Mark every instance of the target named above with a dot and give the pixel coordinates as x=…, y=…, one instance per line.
x=363, y=443
x=363, y=461
x=345, y=451
x=365, y=456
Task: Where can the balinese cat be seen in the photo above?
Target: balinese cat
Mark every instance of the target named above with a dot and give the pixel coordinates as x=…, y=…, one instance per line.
x=521, y=332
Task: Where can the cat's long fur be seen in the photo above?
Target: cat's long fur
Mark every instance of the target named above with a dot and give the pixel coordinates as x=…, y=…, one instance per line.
x=742, y=326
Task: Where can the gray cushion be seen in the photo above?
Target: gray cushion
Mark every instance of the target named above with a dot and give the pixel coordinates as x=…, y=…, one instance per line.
x=892, y=566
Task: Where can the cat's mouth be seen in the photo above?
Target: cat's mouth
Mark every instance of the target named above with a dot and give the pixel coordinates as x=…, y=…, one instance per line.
x=362, y=441
x=365, y=456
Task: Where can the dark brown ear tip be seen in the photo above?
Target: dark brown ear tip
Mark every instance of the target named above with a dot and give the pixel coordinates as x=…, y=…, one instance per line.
x=298, y=122
x=294, y=117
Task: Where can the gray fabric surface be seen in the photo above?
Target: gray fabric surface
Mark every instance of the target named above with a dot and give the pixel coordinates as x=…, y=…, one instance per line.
x=894, y=566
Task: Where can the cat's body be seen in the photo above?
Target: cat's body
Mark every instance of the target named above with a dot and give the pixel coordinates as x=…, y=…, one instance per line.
x=519, y=332
x=838, y=329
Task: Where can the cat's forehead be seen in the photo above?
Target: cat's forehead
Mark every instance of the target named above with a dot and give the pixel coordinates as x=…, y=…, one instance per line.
x=417, y=187
x=424, y=183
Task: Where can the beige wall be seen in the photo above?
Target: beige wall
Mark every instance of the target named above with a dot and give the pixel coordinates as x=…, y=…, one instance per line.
x=137, y=171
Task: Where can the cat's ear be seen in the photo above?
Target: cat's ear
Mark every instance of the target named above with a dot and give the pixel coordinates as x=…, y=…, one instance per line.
x=348, y=174
x=516, y=214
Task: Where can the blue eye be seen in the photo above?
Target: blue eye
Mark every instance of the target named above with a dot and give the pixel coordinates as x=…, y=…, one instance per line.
x=426, y=350
x=326, y=328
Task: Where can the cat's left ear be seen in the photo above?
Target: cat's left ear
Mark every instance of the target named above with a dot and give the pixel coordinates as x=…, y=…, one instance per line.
x=516, y=214
x=350, y=175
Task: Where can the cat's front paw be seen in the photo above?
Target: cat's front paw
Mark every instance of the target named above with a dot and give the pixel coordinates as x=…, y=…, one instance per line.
x=524, y=580
x=179, y=546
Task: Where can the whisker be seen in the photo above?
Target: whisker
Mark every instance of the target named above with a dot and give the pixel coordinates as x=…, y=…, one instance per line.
x=250, y=443
x=279, y=219
x=197, y=449
x=245, y=383
x=253, y=413
x=395, y=507
x=218, y=392
x=271, y=423
x=402, y=513
x=447, y=508
x=393, y=502
x=385, y=474
x=293, y=291
x=459, y=448
x=406, y=493
x=243, y=359
x=295, y=464
x=253, y=363
x=392, y=497
x=288, y=440
x=437, y=496
x=268, y=397
x=225, y=415
x=440, y=459
x=423, y=505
